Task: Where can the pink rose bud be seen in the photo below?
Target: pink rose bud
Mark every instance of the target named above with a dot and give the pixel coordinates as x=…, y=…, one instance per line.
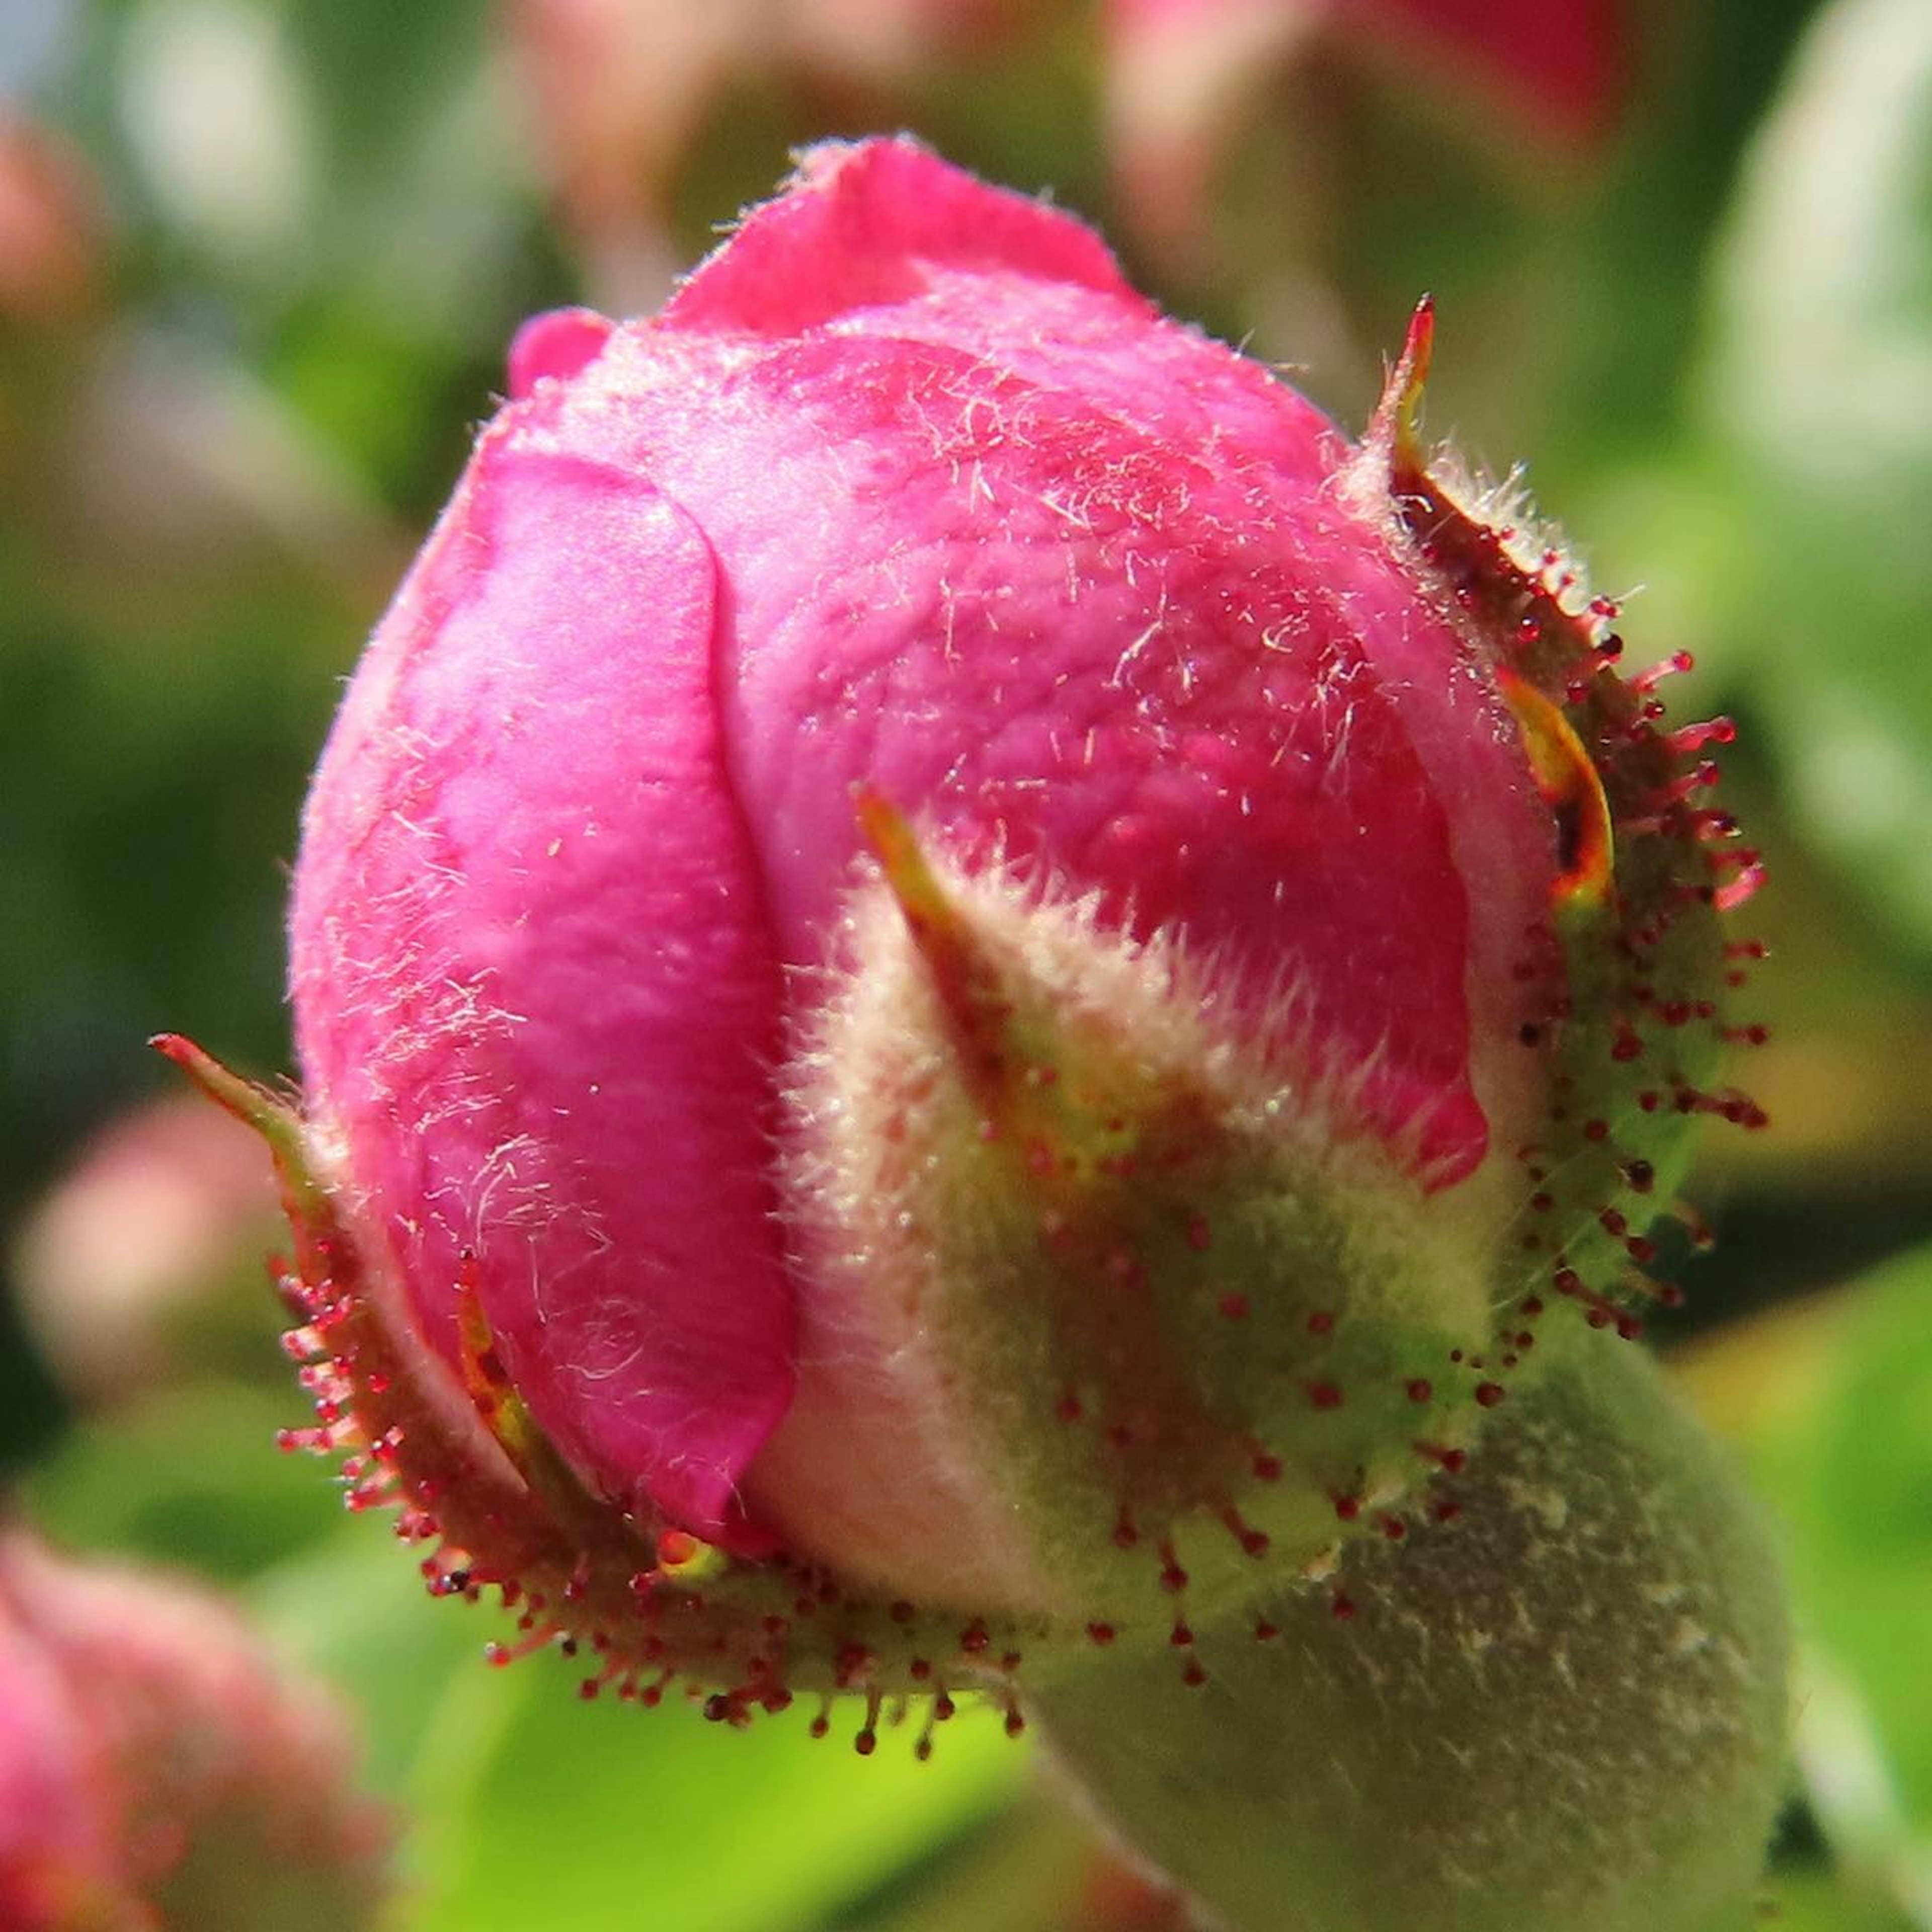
x=968, y=993
x=157, y=1768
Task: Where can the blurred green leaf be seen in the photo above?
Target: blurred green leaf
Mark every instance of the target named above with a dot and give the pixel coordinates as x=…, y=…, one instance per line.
x=1819, y=392
x=1038, y=1865
x=527, y=1805
x=1816, y=1901
x=352, y=1608
x=380, y=72
x=190, y=1476
x=1853, y=1479
x=584, y=1816
x=1832, y=1402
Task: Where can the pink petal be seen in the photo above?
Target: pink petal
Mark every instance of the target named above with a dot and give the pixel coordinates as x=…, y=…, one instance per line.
x=1101, y=657
x=862, y=226
x=1560, y=66
x=562, y=343
x=884, y=240
x=531, y=962
x=1070, y=580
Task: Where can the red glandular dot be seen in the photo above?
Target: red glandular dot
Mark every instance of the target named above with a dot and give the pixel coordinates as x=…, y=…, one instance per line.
x=1254, y=1542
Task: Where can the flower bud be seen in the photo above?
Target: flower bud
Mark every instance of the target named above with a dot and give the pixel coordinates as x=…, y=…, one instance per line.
x=157, y=1768
x=967, y=992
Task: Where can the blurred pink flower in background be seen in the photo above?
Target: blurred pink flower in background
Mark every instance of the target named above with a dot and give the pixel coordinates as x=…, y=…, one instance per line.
x=620, y=89
x=159, y=1770
x=1182, y=76
x=165, y=1209
x=50, y=226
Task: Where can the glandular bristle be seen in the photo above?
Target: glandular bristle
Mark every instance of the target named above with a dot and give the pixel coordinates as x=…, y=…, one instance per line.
x=653, y=1606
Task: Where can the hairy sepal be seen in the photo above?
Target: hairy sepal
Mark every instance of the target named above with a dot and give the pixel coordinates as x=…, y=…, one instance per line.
x=1631, y=1023
x=646, y=1609
x=1174, y=1321
x=1564, y=1707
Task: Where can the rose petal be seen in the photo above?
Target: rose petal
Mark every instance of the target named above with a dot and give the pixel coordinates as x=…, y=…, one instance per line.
x=859, y=228
x=561, y=342
x=528, y=913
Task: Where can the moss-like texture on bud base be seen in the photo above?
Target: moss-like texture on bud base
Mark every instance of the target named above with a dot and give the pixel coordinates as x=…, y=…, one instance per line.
x=1565, y=1707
